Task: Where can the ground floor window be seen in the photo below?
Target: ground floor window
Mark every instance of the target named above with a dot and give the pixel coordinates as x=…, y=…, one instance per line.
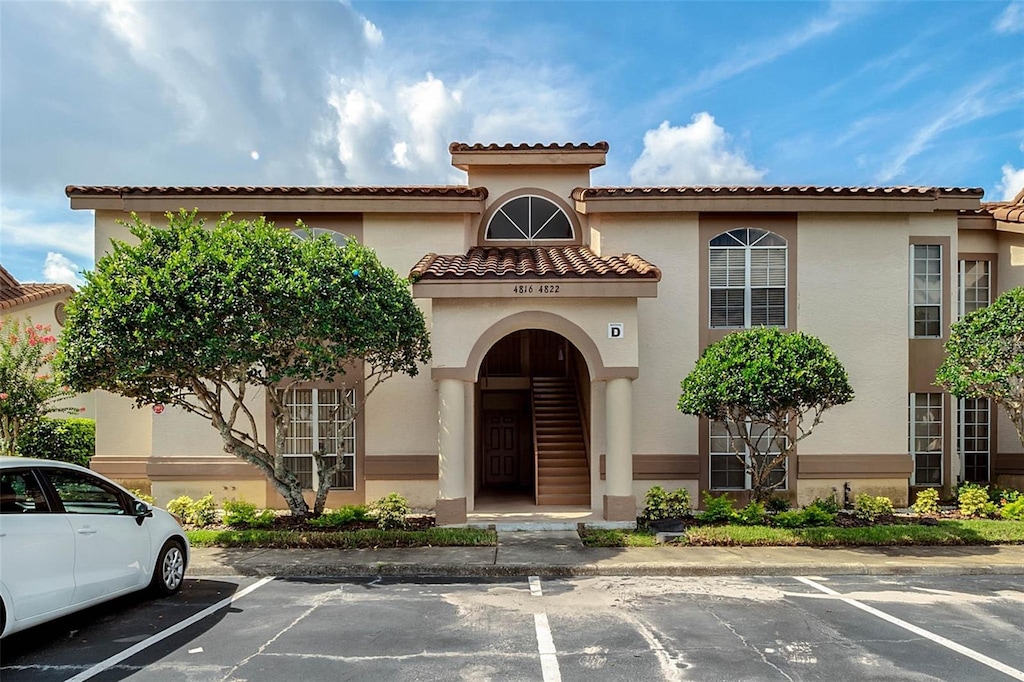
x=974, y=439
x=321, y=420
x=728, y=472
x=926, y=438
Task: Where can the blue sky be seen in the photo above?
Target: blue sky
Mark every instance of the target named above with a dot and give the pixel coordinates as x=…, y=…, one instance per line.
x=292, y=93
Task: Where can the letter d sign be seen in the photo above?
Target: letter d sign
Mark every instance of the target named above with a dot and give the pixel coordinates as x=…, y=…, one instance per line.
x=614, y=330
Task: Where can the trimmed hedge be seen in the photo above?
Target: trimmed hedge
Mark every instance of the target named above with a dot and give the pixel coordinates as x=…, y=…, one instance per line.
x=67, y=440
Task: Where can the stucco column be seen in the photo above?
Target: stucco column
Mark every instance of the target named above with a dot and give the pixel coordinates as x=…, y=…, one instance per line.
x=619, y=502
x=451, y=441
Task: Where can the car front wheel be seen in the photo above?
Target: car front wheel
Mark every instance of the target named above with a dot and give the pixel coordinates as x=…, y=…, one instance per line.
x=169, y=572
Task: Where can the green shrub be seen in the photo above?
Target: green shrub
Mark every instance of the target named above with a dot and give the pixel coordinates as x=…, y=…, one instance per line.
x=391, y=511
x=1002, y=496
x=751, y=515
x=777, y=504
x=819, y=513
x=1013, y=511
x=927, y=501
x=717, y=509
x=242, y=514
x=338, y=518
x=148, y=499
x=791, y=518
x=659, y=504
x=199, y=513
x=180, y=506
x=973, y=500
x=67, y=440
x=828, y=504
x=871, y=508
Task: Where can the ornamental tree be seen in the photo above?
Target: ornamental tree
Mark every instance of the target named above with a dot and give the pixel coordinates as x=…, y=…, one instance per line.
x=213, y=320
x=27, y=391
x=769, y=389
x=985, y=356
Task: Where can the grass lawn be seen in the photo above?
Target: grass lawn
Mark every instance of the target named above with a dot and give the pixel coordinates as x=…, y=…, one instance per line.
x=351, y=539
x=946, y=532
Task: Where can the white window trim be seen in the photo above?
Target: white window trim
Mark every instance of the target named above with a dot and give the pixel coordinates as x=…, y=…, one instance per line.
x=526, y=237
x=747, y=288
x=315, y=438
x=912, y=440
x=962, y=283
x=914, y=305
x=962, y=438
x=747, y=476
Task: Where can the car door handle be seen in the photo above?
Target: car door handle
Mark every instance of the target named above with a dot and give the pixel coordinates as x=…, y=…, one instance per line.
x=86, y=531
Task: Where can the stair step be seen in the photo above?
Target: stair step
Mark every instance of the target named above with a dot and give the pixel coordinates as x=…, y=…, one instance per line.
x=564, y=499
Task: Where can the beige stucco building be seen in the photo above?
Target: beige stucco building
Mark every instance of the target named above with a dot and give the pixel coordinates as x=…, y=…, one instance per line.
x=564, y=316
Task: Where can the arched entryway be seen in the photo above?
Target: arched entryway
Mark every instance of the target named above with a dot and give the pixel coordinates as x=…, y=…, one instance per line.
x=533, y=422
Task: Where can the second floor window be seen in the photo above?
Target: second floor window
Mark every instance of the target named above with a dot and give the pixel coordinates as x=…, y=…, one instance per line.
x=529, y=218
x=974, y=286
x=926, y=290
x=748, y=275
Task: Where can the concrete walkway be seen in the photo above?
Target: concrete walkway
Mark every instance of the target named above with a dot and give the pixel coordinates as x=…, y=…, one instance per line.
x=560, y=553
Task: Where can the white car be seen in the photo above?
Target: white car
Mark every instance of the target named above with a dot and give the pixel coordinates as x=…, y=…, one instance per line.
x=70, y=538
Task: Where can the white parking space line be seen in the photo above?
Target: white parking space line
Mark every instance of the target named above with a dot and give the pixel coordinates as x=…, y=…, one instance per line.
x=164, y=634
x=546, y=645
x=921, y=632
x=535, y=586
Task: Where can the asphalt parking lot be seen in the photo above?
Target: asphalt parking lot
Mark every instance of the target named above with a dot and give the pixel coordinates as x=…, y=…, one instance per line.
x=606, y=628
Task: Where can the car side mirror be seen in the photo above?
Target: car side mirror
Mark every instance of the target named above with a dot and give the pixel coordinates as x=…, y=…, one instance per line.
x=142, y=511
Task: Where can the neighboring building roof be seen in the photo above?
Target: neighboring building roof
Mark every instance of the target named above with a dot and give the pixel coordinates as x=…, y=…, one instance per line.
x=483, y=262
x=551, y=147
x=14, y=294
x=584, y=193
x=1008, y=215
x=279, y=199
x=410, y=191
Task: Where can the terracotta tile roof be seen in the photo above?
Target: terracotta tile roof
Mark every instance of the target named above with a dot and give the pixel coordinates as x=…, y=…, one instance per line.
x=14, y=294
x=410, y=191
x=524, y=147
x=534, y=262
x=1006, y=211
x=584, y=193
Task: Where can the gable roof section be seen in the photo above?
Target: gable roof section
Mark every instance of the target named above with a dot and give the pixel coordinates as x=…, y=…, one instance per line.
x=774, y=198
x=1003, y=215
x=424, y=198
x=533, y=262
x=14, y=295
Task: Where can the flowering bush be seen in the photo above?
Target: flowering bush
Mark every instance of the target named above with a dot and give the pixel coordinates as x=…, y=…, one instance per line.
x=27, y=393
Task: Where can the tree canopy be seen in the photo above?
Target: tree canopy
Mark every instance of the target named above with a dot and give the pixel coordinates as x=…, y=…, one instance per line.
x=196, y=317
x=985, y=356
x=769, y=388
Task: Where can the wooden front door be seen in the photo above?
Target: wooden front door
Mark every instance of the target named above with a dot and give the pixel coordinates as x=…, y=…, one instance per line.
x=501, y=447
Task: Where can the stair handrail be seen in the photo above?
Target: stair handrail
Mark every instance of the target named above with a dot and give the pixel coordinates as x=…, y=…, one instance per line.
x=584, y=421
x=536, y=447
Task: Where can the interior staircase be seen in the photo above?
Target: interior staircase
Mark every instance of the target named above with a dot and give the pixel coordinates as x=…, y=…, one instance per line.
x=563, y=473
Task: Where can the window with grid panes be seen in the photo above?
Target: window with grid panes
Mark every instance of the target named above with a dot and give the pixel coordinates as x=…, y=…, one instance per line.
x=974, y=438
x=748, y=273
x=926, y=289
x=529, y=218
x=321, y=420
x=729, y=472
x=974, y=287
x=926, y=437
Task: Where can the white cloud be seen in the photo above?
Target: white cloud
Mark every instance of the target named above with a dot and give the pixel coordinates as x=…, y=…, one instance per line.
x=1011, y=20
x=373, y=35
x=695, y=154
x=967, y=105
x=749, y=56
x=1011, y=183
x=60, y=268
x=24, y=228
